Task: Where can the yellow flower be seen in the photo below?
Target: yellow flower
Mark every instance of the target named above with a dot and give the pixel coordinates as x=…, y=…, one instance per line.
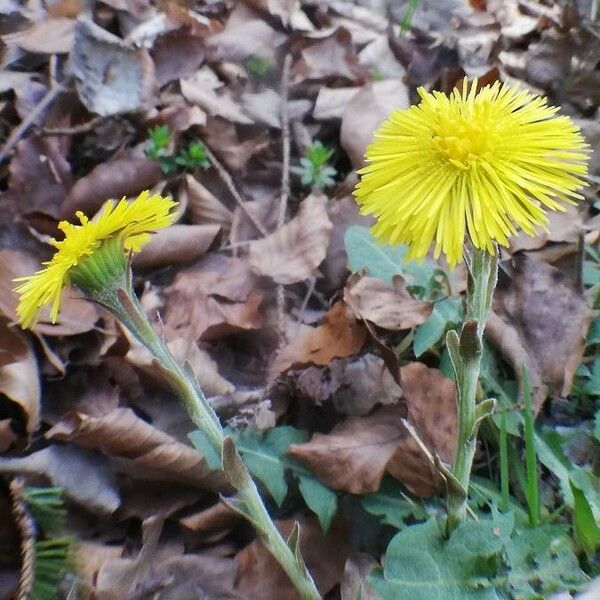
x=129, y=222
x=483, y=163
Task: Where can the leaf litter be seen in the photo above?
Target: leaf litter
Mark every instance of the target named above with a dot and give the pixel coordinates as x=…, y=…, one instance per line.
x=346, y=382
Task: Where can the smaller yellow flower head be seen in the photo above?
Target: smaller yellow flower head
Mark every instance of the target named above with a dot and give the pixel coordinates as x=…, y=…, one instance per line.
x=130, y=222
x=483, y=163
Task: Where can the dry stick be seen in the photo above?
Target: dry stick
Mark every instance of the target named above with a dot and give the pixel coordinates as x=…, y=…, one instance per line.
x=228, y=181
x=75, y=130
x=285, y=179
x=29, y=120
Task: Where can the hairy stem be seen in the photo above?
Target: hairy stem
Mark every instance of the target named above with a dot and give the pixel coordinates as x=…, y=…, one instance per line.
x=465, y=351
x=119, y=297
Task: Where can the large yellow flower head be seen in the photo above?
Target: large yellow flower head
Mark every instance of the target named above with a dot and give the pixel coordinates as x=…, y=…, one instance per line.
x=484, y=163
x=129, y=222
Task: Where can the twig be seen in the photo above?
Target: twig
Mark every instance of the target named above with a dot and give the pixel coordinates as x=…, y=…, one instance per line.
x=30, y=119
x=285, y=178
x=75, y=130
x=228, y=181
x=26, y=529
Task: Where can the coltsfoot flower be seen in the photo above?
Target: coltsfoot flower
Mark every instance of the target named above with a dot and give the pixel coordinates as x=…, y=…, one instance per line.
x=483, y=163
x=126, y=225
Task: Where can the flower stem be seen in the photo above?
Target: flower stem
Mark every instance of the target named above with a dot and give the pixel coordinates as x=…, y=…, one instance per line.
x=117, y=295
x=465, y=352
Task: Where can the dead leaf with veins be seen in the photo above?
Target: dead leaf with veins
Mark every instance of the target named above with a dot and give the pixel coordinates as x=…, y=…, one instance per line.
x=338, y=337
x=216, y=297
x=111, y=76
x=294, y=251
x=542, y=324
x=137, y=447
x=391, y=308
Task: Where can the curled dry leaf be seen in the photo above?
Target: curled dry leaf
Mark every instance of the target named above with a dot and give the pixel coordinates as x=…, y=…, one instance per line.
x=77, y=315
x=218, y=296
x=261, y=578
x=121, y=434
x=121, y=177
x=431, y=402
x=543, y=324
x=203, y=205
x=178, y=244
x=354, y=583
x=294, y=251
x=19, y=377
x=392, y=308
x=201, y=89
x=338, y=337
x=355, y=455
x=176, y=54
x=111, y=76
x=365, y=112
x=84, y=476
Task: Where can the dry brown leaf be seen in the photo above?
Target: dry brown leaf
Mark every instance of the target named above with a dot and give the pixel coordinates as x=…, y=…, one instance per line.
x=115, y=179
x=7, y=435
x=545, y=318
x=40, y=176
x=264, y=212
x=218, y=296
x=562, y=227
x=77, y=315
x=111, y=76
x=392, y=308
x=245, y=35
x=176, y=54
x=84, y=476
x=338, y=337
x=175, y=245
x=354, y=584
x=364, y=383
x=365, y=112
x=203, y=205
x=331, y=102
x=353, y=457
x=185, y=351
x=261, y=578
x=294, y=251
x=222, y=138
x=121, y=434
x=49, y=36
x=19, y=377
x=216, y=518
x=331, y=57
x=289, y=11
x=431, y=402
x=201, y=89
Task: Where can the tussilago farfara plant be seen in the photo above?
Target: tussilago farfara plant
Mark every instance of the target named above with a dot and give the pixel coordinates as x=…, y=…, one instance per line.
x=462, y=173
x=93, y=256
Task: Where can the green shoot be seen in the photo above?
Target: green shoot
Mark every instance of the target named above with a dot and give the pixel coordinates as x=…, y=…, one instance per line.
x=51, y=558
x=258, y=65
x=193, y=156
x=504, y=482
x=46, y=507
x=533, y=493
x=314, y=168
x=407, y=18
x=157, y=147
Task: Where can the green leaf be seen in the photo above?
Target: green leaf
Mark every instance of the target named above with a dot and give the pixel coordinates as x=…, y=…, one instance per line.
x=420, y=565
x=593, y=335
x=444, y=313
x=384, y=261
x=587, y=532
x=541, y=561
x=592, y=385
x=201, y=443
x=392, y=504
x=265, y=455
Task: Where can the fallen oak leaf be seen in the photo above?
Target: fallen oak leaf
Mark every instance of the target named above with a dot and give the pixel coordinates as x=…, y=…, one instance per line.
x=339, y=336
x=147, y=450
x=391, y=308
x=293, y=252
